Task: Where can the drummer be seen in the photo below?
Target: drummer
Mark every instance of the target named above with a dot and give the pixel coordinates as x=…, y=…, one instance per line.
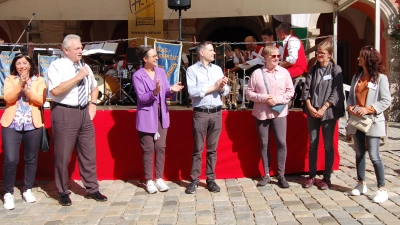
x=117, y=66
x=113, y=69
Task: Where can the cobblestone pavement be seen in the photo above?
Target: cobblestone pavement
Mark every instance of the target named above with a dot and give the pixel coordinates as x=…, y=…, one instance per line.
x=239, y=202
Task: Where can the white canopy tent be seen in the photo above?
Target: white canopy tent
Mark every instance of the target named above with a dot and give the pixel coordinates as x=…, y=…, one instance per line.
x=119, y=9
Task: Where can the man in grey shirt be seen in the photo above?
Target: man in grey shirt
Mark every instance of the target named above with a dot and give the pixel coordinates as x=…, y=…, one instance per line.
x=206, y=83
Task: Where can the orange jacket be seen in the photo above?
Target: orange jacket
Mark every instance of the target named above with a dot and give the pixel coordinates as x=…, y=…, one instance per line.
x=36, y=95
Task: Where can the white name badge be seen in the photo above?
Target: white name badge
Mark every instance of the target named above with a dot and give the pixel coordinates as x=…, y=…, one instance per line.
x=327, y=77
x=372, y=85
x=278, y=76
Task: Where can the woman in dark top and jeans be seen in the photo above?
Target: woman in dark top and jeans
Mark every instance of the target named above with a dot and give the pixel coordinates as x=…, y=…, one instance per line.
x=323, y=96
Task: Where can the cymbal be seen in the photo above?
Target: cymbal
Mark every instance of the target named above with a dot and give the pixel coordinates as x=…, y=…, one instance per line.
x=107, y=57
x=95, y=61
x=119, y=58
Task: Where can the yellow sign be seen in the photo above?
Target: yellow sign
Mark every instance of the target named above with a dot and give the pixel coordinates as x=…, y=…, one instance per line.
x=145, y=18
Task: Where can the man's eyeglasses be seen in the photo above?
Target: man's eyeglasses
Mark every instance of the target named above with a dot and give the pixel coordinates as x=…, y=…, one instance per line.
x=275, y=56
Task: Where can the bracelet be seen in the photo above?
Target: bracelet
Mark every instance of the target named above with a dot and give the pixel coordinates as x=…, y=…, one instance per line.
x=327, y=105
x=94, y=103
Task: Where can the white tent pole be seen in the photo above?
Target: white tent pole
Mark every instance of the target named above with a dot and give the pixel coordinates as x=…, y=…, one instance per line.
x=335, y=31
x=378, y=25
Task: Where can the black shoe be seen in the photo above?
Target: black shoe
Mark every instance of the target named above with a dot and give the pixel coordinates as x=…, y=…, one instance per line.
x=212, y=186
x=65, y=200
x=97, y=196
x=192, y=187
x=282, y=182
x=264, y=181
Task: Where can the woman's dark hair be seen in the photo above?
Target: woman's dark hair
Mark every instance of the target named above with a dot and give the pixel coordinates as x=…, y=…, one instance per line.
x=32, y=72
x=373, y=62
x=143, y=53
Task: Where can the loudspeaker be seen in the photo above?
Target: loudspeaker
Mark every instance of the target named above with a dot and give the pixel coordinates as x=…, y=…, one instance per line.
x=179, y=4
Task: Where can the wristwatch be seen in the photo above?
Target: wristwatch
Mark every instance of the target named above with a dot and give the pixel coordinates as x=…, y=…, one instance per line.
x=94, y=103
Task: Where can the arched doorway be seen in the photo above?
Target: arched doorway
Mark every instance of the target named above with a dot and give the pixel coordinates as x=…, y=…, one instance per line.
x=231, y=34
x=229, y=29
x=4, y=36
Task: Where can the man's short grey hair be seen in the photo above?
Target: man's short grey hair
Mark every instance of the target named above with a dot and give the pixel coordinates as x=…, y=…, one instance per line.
x=67, y=40
x=284, y=27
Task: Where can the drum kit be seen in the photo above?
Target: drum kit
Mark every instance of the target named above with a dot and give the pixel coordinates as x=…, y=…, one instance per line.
x=113, y=80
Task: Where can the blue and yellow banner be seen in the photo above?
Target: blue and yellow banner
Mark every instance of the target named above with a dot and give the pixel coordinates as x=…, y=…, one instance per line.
x=5, y=63
x=44, y=63
x=169, y=58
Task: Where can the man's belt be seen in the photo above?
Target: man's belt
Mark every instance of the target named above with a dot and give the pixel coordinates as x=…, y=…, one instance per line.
x=207, y=110
x=70, y=106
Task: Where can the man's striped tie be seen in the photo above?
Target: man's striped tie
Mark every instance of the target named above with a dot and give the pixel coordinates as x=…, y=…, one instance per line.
x=82, y=98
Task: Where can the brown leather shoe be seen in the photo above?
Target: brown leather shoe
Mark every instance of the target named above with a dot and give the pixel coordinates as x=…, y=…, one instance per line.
x=325, y=184
x=309, y=183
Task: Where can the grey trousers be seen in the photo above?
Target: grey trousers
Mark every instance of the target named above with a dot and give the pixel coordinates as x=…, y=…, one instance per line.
x=278, y=126
x=149, y=145
x=73, y=128
x=206, y=126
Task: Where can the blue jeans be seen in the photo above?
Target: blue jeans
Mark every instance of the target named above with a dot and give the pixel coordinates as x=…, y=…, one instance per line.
x=11, y=143
x=328, y=129
x=362, y=144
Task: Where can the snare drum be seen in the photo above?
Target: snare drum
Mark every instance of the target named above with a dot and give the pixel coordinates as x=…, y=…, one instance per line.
x=111, y=86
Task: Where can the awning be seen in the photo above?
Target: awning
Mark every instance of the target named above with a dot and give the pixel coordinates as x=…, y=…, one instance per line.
x=118, y=9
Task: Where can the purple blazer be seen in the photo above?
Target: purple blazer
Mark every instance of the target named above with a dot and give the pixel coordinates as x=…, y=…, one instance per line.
x=147, y=103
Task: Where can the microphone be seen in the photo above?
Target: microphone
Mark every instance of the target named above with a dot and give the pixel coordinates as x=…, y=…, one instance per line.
x=83, y=62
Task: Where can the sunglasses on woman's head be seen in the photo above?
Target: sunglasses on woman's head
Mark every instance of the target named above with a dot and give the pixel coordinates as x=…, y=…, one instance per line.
x=22, y=54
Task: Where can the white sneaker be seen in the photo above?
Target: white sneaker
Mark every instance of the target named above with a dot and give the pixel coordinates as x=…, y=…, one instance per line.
x=380, y=196
x=28, y=196
x=150, y=187
x=161, y=186
x=9, y=201
x=359, y=189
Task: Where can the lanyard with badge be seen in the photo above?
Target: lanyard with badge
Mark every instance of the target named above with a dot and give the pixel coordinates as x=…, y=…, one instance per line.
x=325, y=76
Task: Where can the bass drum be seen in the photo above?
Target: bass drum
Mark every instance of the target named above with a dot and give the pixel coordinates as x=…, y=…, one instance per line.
x=111, y=90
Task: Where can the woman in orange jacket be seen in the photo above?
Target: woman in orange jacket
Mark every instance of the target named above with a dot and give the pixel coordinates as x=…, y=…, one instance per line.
x=24, y=94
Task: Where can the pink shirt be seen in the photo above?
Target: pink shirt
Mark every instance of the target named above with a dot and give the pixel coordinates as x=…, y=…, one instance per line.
x=280, y=85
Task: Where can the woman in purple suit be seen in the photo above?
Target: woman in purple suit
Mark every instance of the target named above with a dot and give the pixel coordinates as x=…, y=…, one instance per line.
x=152, y=121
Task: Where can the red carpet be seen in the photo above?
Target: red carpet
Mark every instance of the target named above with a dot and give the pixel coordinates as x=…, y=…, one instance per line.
x=119, y=155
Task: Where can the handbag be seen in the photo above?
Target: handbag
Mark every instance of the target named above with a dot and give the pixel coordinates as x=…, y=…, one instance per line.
x=361, y=123
x=45, y=141
x=278, y=107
